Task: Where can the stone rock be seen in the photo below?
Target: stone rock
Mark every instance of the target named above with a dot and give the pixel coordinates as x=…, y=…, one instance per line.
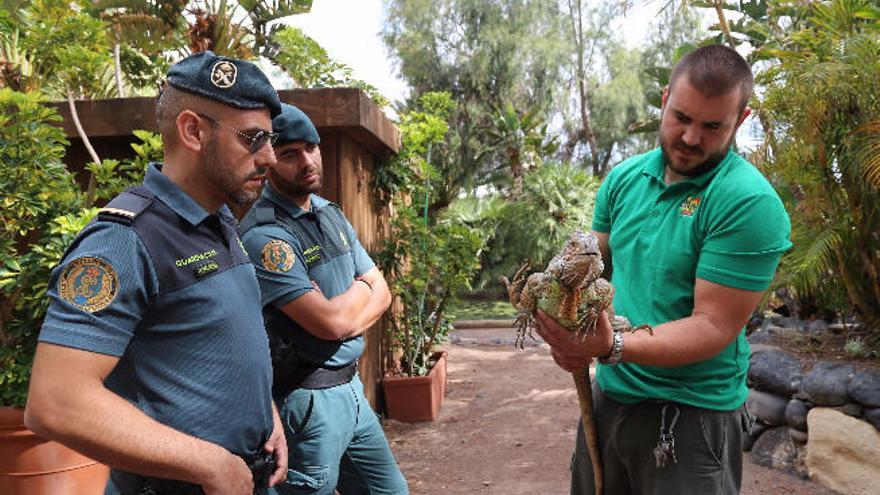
x=850, y=409
x=786, y=322
x=796, y=414
x=775, y=371
x=843, y=453
x=840, y=327
x=816, y=326
x=766, y=407
x=774, y=449
x=827, y=383
x=799, y=437
x=756, y=348
x=757, y=430
x=864, y=388
x=760, y=336
x=873, y=416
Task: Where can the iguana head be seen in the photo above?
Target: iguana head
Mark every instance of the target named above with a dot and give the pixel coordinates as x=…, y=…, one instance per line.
x=579, y=262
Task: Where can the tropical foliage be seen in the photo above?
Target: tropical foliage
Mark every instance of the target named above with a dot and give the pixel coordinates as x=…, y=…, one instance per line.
x=822, y=100
x=557, y=199
x=428, y=262
x=41, y=211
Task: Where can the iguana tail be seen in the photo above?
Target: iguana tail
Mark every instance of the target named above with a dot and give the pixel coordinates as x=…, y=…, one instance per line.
x=585, y=398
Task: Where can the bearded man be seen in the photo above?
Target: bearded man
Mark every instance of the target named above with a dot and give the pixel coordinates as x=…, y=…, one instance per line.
x=143, y=363
x=691, y=234
x=320, y=293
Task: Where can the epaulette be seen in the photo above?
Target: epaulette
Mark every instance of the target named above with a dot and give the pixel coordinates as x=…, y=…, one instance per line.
x=262, y=215
x=127, y=206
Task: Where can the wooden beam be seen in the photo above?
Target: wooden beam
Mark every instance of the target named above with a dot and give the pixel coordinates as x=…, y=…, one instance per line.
x=346, y=110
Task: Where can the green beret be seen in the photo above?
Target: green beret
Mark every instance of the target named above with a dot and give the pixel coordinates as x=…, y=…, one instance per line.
x=294, y=125
x=232, y=82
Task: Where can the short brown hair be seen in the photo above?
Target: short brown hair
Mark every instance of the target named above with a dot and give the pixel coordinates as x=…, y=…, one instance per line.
x=715, y=70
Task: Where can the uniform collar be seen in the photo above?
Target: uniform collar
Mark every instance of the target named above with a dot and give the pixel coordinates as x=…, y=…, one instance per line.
x=291, y=209
x=655, y=167
x=176, y=198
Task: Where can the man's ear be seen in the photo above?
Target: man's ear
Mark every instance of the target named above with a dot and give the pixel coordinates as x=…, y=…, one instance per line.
x=745, y=113
x=664, y=96
x=189, y=131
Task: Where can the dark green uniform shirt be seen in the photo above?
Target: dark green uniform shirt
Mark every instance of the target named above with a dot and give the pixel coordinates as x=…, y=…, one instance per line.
x=727, y=226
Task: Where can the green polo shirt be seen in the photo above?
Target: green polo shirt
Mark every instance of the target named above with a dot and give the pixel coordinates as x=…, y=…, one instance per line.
x=727, y=226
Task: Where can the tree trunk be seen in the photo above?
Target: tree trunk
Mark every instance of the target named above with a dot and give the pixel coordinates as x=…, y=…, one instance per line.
x=586, y=130
x=722, y=21
x=90, y=192
x=117, y=69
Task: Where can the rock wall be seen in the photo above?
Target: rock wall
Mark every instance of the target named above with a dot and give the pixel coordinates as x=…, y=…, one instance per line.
x=822, y=423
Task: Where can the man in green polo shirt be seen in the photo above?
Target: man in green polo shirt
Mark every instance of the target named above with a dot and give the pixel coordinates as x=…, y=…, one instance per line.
x=691, y=235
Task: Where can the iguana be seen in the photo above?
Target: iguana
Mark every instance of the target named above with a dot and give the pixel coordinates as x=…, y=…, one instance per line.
x=570, y=291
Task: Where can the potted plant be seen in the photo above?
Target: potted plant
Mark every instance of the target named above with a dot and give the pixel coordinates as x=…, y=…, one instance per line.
x=41, y=210
x=427, y=263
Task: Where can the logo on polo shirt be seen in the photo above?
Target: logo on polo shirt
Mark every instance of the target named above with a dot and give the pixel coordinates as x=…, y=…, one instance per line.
x=344, y=239
x=689, y=206
x=89, y=283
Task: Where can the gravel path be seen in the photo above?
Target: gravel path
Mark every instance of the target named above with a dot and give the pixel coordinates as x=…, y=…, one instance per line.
x=507, y=426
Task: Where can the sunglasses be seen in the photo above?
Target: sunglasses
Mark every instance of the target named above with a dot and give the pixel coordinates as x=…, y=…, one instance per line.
x=257, y=140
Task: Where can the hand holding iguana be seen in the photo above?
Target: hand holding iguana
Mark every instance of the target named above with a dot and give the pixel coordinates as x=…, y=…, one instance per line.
x=572, y=292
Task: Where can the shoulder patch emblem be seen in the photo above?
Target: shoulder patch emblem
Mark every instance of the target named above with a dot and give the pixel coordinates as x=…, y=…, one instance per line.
x=223, y=74
x=278, y=256
x=89, y=283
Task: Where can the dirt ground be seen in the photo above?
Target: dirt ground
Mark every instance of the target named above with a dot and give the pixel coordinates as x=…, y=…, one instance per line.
x=507, y=426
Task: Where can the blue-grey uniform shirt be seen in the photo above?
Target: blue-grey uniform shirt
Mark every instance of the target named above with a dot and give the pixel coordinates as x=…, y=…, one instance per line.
x=325, y=248
x=174, y=296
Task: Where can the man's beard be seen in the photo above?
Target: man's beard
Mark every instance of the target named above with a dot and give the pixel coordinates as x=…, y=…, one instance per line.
x=709, y=163
x=290, y=188
x=223, y=176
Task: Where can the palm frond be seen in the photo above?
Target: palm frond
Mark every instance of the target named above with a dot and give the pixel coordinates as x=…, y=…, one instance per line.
x=868, y=151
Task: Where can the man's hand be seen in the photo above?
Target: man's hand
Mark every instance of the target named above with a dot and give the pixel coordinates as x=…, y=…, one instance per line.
x=230, y=476
x=277, y=446
x=568, y=350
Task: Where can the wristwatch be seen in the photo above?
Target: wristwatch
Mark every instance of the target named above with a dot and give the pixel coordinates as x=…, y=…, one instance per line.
x=364, y=281
x=616, y=354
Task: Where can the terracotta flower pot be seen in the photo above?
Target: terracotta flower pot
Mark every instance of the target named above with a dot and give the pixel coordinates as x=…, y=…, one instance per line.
x=416, y=398
x=30, y=465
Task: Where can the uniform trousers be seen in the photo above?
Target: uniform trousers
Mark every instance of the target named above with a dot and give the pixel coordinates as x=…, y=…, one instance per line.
x=335, y=442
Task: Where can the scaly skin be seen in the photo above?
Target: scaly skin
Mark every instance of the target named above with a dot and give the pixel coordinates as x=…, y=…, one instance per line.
x=571, y=292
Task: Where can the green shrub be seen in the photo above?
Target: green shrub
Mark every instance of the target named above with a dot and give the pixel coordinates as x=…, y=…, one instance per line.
x=556, y=200
x=41, y=210
x=427, y=262
x=37, y=189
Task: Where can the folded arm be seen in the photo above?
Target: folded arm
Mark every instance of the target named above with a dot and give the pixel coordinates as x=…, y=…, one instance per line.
x=330, y=319
x=378, y=303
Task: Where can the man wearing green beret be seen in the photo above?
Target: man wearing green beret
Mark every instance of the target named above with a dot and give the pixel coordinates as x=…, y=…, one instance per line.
x=320, y=293
x=143, y=363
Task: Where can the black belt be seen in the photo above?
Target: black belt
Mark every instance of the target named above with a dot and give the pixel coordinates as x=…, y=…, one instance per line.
x=261, y=464
x=314, y=378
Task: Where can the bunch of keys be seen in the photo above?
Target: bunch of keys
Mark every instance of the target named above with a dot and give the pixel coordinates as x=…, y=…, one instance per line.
x=664, y=452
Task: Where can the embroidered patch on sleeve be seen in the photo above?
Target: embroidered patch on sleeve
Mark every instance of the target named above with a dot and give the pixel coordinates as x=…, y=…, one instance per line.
x=278, y=256
x=89, y=283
